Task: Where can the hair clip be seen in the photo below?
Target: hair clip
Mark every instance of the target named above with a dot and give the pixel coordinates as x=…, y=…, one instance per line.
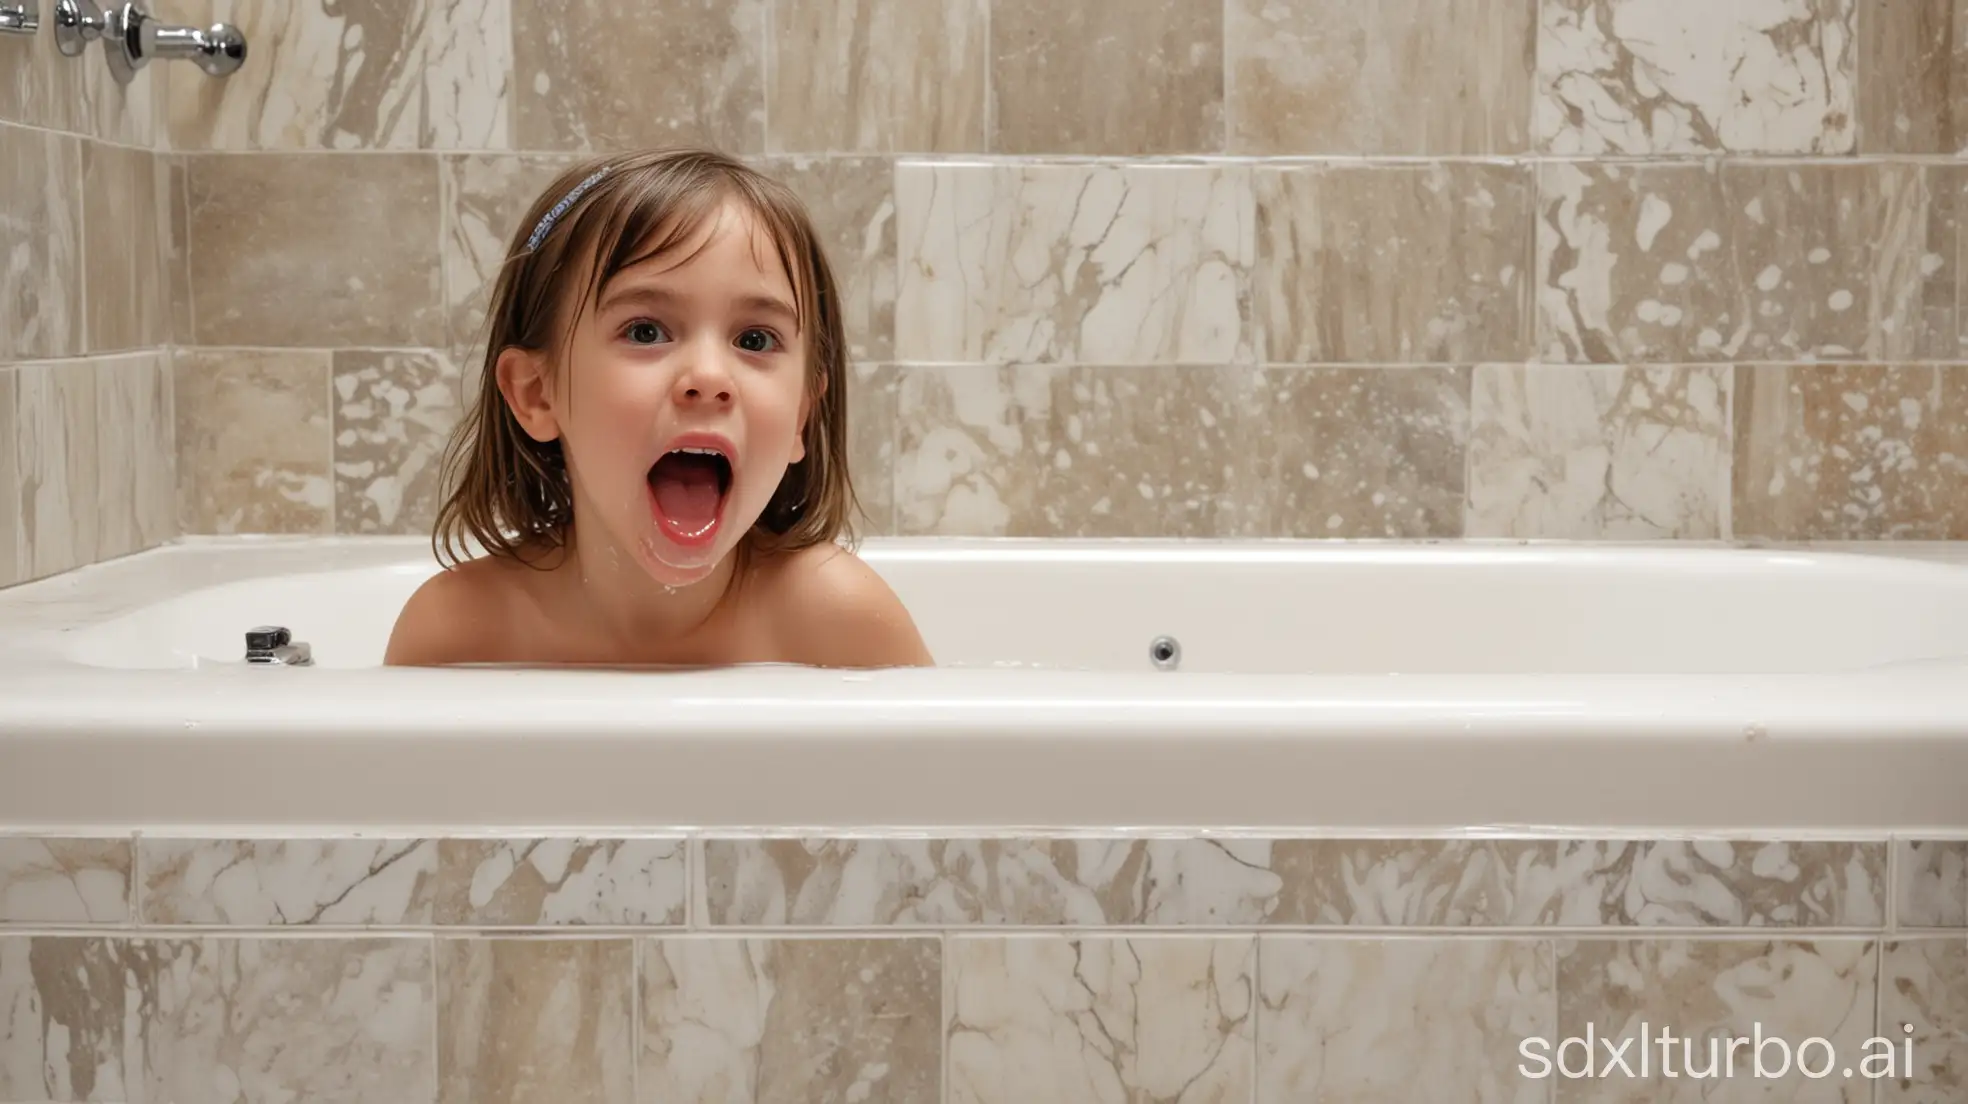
x=547, y=221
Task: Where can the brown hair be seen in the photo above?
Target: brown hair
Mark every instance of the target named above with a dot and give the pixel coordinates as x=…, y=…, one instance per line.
x=510, y=492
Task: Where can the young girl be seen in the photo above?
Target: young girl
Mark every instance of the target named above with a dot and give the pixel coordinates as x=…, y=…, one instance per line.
x=656, y=464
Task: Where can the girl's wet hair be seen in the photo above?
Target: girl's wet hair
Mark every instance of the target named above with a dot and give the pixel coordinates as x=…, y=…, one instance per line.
x=509, y=492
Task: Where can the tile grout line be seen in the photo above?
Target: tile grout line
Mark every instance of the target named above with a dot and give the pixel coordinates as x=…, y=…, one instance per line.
x=635, y=1020
x=437, y=1026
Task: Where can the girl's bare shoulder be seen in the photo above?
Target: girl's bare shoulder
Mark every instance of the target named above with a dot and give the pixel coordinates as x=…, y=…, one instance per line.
x=832, y=610
x=463, y=614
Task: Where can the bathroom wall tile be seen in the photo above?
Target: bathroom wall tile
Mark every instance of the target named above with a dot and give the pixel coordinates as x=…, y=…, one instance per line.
x=1635, y=263
x=13, y=532
x=1363, y=452
x=40, y=245
x=1933, y=883
x=889, y=76
x=1052, y=1020
x=352, y=238
x=121, y=248
x=1161, y=86
x=1053, y=450
x=254, y=441
x=277, y=882
x=1394, y=263
x=1924, y=985
x=58, y=462
x=1851, y=452
x=852, y=201
x=357, y=74
x=1412, y=883
x=755, y=1021
x=535, y=1020
x=394, y=413
x=174, y=233
x=47, y=880
x=943, y=882
x=1432, y=1019
x=1722, y=883
x=1665, y=76
x=1707, y=993
x=138, y=498
x=126, y=114
x=331, y=1020
x=1846, y=262
x=484, y=198
x=1397, y=77
x=1912, y=76
x=874, y=391
x=1093, y=263
x=582, y=78
x=555, y=882
x=38, y=86
x=1564, y=452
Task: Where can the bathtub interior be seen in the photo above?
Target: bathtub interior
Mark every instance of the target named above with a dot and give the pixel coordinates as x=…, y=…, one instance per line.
x=1250, y=608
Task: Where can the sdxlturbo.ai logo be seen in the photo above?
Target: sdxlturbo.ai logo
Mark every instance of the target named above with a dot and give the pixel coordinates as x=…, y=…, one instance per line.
x=1711, y=1055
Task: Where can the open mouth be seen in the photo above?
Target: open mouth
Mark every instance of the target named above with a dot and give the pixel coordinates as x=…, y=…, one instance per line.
x=687, y=486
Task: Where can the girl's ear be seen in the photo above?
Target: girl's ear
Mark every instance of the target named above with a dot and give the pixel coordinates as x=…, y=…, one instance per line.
x=528, y=388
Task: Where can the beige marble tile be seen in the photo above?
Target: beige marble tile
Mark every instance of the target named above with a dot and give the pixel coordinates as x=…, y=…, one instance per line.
x=121, y=248
x=535, y=1020
x=944, y=882
x=1401, y=1020
x=1053, y=1020
x=872, y=415
x=1396, y=77
x=1707, y=994
x=1681, y=76
x=1913, y=76
x=334, y=1021
x=394, y=413
x=273, y=882
x=351, y=74
x=1394, y=263
x=482, y=198
x=888, y=76
x=137, y=500
x=1933, y=883
x=1845, y=262
x=45, y=880
x=1924, y=986
x=13, y=533
x=352, y=238
x=1055, y=450
x=1635, y=264
x=254, y=442
x=126, y=114
x=1413, y=883
x=1363, y=452
x=41, y=264
x=174, y=244
x=1160, y=86
x=1722, y=883
x=1851, y=452
x=582, y=78
x=59, y=463
x=780, y=1021
x=1091, y=263
x=1599, y=452
x=852, y=202
x=38, y=86
x=561, y=882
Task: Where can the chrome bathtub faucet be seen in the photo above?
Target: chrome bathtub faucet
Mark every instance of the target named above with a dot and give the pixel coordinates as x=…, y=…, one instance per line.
x=131, y=38
x=274, y=645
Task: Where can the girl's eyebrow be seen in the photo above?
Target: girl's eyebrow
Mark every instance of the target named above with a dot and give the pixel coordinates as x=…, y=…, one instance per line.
x=656, y=296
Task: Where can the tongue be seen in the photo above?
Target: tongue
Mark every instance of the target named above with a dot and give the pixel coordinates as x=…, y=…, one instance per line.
x=686, y=489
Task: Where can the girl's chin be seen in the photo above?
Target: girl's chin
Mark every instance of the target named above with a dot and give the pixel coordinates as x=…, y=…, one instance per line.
x=675, y=565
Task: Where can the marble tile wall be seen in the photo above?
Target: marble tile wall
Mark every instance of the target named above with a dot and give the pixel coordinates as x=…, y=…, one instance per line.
x=89, y=240
x=1569, y=269
x=926, y=969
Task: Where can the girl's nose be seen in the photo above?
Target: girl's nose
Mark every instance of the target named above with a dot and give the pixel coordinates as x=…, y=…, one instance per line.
x=704, y=380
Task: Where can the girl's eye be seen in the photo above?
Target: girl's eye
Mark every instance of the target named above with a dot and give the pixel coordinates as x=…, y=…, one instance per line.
x=644, y=333
x=757, y=341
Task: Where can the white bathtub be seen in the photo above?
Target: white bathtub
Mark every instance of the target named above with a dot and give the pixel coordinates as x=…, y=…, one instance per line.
x=1333, y=687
